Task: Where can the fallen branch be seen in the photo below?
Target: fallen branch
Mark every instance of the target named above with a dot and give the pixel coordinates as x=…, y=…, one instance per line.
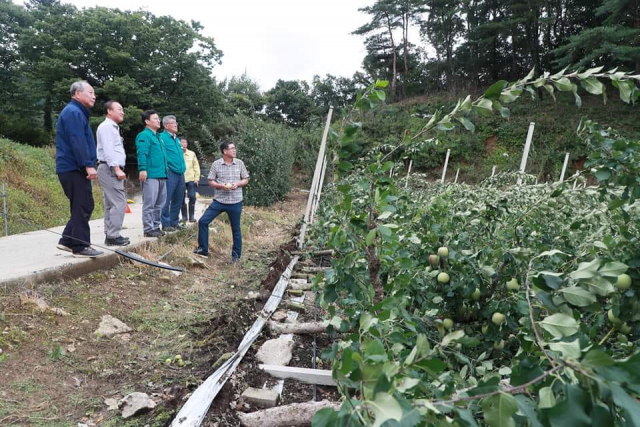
x=324, y=252
x=296, y=414
x=298, y=285
x=295, y=306
x=313, y=270
x=298, y=328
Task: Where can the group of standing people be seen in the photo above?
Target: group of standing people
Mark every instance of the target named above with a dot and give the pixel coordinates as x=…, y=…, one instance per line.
x=167, y=168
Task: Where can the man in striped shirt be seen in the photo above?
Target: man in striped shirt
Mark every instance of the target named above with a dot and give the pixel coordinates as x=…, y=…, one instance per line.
x=227, y=176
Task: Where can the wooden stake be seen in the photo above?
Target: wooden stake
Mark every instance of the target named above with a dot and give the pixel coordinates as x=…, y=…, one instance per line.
x=408, y=173
x=319, y=190
x=309, y=376
x=564, y=167
x=457, y=173
x=525, y=153
x=446, y=163
x=493, y=171
x=316, y=177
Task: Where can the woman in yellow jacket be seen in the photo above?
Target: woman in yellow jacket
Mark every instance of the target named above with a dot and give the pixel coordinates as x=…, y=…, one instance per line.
x=191, y=178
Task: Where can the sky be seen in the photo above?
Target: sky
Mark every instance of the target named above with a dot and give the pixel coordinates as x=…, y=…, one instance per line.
x=270, y=39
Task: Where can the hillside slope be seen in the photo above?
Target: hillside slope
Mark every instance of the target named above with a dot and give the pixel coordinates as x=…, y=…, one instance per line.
x=35, y=198
x=496, y=140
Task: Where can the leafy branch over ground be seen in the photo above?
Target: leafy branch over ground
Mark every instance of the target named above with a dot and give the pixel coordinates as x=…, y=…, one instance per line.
x=498, y=304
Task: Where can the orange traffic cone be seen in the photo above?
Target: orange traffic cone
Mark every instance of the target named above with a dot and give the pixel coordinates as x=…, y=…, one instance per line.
x=127, y=210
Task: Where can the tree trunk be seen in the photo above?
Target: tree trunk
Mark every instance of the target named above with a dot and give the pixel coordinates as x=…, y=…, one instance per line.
x=405, y=34
x=395, y=57
x=48, y=120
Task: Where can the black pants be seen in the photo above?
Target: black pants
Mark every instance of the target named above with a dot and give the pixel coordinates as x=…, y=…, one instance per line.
x=77, y=188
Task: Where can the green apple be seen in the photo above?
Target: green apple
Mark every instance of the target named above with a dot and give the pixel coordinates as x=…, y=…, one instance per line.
x=180, y=362
x=168, y=360
x=228, y=185
x=448, y=323
x=622, y=339
x=498, y=318
x=624, y=328
x=498, y=345
x=475, y=295
x=443, y=278
x=612, y=317
x=177, y=357
x=485, y=328
x=443, y=251
x=513, y=284
x=624, y=282
x=434, y=260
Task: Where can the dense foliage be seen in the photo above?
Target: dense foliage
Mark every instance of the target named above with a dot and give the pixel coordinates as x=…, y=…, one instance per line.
x=268, y=152
x=472, y=43
x=497, y=304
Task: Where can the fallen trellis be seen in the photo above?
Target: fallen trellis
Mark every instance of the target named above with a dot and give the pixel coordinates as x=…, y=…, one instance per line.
x=296, y=414
x=195, y=409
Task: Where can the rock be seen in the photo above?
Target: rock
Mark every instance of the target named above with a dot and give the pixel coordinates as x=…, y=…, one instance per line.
x=276, y=352
x=260, y=397
x=175, y=273
x=109, y=326
x=253, y=295
x=135, y=403
x=279, y=316
x=112, y=404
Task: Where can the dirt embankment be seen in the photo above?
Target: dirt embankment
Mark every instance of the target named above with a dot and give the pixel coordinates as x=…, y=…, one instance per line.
x=56, y=371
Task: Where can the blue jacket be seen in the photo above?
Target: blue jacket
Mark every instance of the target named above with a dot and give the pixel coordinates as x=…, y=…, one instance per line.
x=75, y=145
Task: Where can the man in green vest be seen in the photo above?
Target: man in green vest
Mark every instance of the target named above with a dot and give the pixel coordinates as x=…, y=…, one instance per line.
x=175, y=174
x=152, y=165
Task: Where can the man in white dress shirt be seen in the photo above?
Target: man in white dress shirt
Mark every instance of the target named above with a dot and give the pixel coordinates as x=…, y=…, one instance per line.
x=112, y=159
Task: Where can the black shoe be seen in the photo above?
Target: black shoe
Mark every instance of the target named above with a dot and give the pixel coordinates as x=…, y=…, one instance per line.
x=87, y=252
x=162, y=233
x=117, y=241
x=201, y=252
x=192, y=220
x=154, y=233
x=169, y=229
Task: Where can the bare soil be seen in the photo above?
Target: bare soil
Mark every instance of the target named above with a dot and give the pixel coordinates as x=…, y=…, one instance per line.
x=55, y=371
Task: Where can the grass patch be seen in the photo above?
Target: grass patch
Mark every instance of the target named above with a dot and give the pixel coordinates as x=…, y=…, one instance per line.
x=35, y=197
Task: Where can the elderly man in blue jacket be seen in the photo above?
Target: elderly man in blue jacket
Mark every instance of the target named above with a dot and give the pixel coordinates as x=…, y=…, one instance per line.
x=76, y=168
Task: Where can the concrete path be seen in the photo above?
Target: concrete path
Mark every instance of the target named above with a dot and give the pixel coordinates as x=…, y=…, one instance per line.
x=33, y=257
